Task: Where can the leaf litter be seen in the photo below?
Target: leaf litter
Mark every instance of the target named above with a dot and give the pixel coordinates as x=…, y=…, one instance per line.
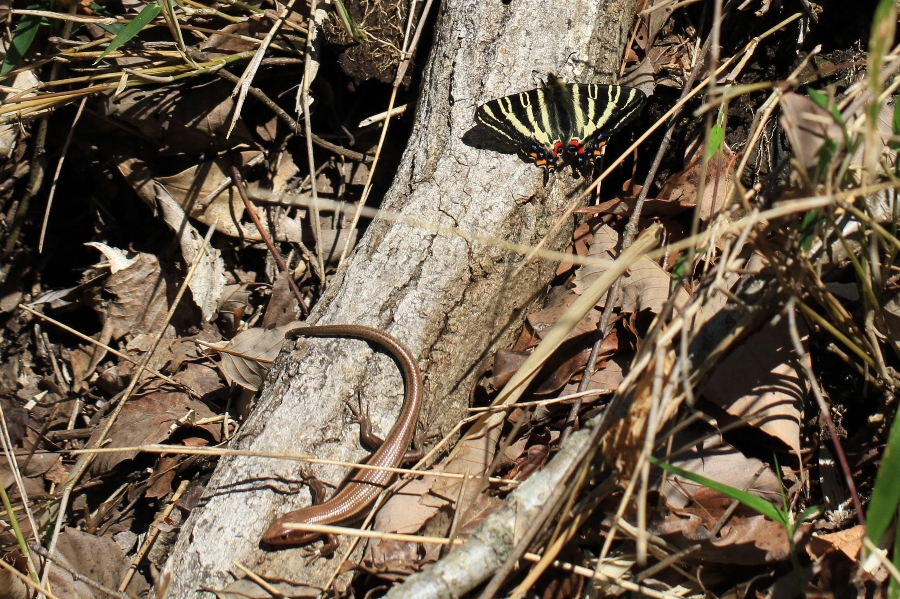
x=744, y=417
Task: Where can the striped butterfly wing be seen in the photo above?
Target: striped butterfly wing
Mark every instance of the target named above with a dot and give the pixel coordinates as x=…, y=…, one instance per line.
x=534, y=121
x=596, y=112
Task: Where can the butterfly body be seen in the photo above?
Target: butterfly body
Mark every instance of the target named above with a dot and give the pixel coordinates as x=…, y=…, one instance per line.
x=561, y=118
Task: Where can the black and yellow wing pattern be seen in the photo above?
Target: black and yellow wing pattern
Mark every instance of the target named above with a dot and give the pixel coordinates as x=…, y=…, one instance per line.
x=598, y=111
x=533, y=121
x=560, y=117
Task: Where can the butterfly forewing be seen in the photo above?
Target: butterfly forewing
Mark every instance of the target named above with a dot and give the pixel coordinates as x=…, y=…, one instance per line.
x=530, y=120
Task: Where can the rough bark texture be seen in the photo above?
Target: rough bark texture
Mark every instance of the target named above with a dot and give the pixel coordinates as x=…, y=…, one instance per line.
x=450, y=300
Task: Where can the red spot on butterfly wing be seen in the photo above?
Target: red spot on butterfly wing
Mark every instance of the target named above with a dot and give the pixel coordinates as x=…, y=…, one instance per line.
x=557, y=148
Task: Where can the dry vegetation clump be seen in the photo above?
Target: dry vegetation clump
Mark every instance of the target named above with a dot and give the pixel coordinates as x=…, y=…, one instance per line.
x=703, y=405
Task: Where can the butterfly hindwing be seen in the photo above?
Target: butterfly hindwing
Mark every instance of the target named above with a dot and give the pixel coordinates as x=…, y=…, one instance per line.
x=598, y=111
x=530, y=120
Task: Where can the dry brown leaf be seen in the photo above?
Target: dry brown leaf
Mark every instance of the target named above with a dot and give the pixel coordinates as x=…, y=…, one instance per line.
x=114, y=379
x=181, y=351
x=655, y=69
x=471, y=457
x=568, y=360
x=38, y=464
x=719, y=461
x=202, y=380
x=534, y=459
x=504, y=366
x=748, y=539
x=537, y=323
x=282, y=307
x=194, y=120
x=403, y=513
x=611, y=375
x=623, y=443
x=160, y=483
x=80, y=363
x=18, y=419
x=847, y=541
x=602, y=247
x=192, y=186
x=192, y=189
x=149, y=419
x=96, y=558
x=232, y=305
x=835, y=575
x=807, y=127
x=58, y=473
x=33, y=483
x=579, y=247
x=133, y=300
x=241, y=363
x=286, y=175
x=208, y=281
x=762, y=382
x=645, y=286
x=25, y=79
x=224, y=45
x=12, y=586
x=682, y=187
x=474, y=512
x=659, y=17
x=512, y=453
x=333, y=242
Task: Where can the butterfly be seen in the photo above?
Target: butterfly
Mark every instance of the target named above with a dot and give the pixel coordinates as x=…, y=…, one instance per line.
x=558, y=118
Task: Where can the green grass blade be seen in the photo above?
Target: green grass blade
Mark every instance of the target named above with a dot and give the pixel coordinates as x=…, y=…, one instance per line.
x=822, y=100
x=884, y=28
x=808, y=228
x=112, y=28
x=716, y=135
x=886, y=493
x=147, y=14
x=22, y=38
x=754, y=502
x=352, y=28
x=895, y=126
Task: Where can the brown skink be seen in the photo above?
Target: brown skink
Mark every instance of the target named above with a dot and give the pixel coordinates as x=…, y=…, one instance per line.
x=363, y=487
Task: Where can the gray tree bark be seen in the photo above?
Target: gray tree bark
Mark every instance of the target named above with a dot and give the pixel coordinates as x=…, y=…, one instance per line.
x=452, y=301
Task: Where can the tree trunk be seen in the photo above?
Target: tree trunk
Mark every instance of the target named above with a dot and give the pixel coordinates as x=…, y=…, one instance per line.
x=452, y=300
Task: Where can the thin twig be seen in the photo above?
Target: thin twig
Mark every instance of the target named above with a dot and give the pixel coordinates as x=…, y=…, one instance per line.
x=276, y=255
x=304, y=100
x=824, y=411
x=151, y=536
x=250, y=72
x=109, y=349
x=59, y=165
x=294, y=125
